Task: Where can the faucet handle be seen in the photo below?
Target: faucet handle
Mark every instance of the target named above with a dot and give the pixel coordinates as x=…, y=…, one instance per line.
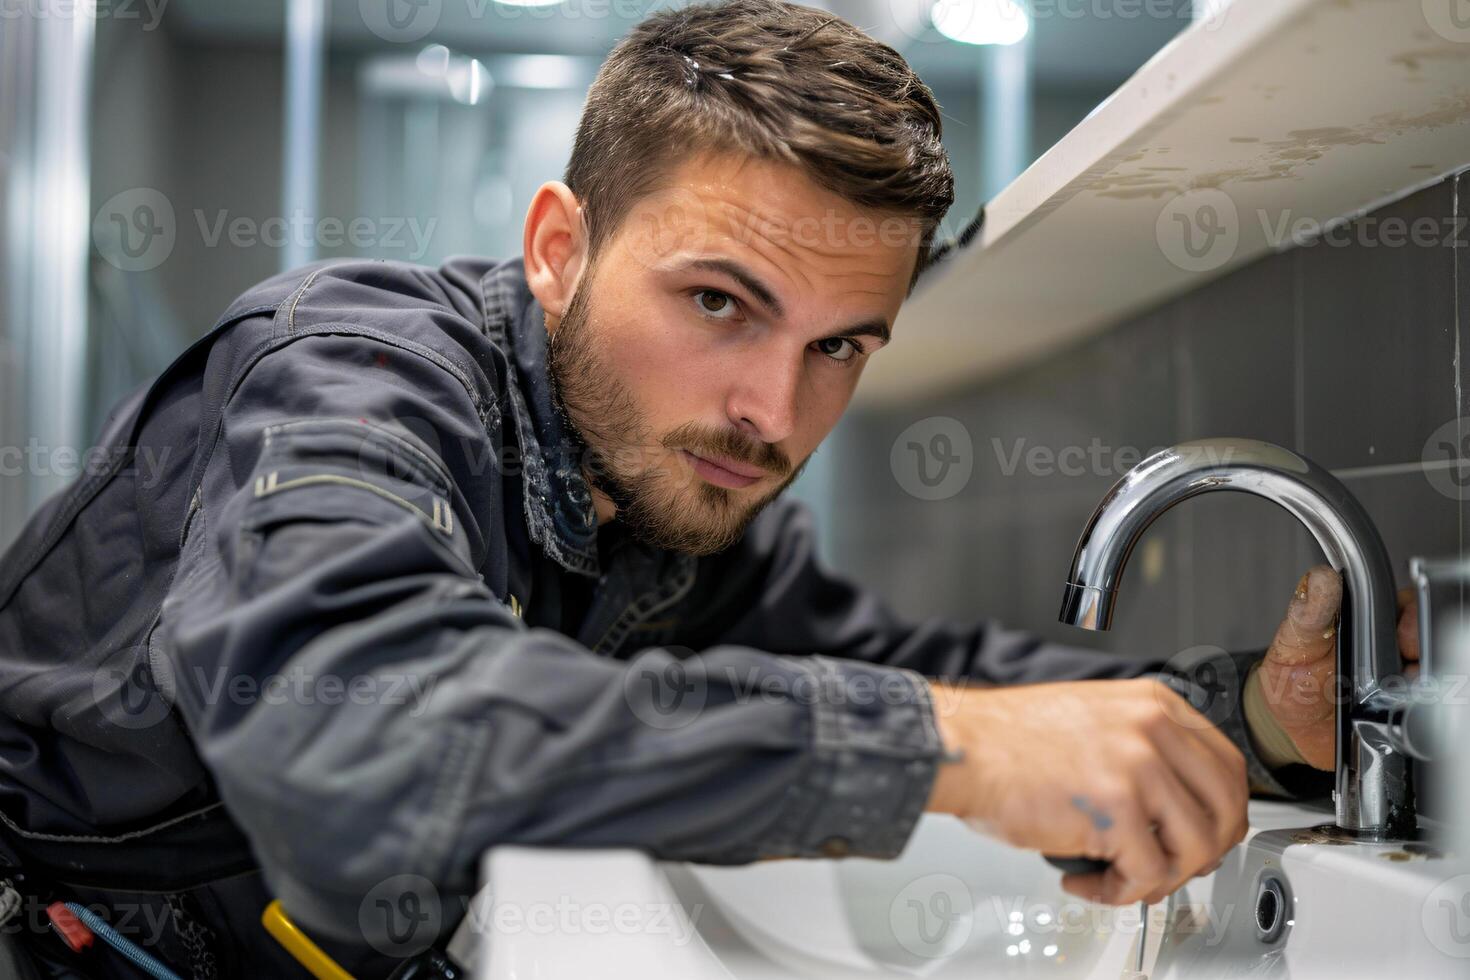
x=1419, y=576
x=1441, y=585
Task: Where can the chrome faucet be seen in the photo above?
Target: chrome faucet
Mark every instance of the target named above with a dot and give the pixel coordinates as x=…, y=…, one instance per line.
x=1374, y=792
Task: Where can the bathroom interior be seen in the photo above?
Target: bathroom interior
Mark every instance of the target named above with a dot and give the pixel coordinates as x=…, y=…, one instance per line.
x=1212, y=224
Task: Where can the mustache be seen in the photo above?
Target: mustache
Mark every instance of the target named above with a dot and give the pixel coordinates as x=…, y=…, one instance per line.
x=729, y=443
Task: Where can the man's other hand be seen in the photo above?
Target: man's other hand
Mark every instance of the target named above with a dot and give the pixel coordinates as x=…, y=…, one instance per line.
x=1122, y=770
x=1298, y=676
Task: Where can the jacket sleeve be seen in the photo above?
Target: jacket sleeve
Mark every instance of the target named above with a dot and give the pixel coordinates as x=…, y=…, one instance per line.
x=374, y=715
x=779, y=595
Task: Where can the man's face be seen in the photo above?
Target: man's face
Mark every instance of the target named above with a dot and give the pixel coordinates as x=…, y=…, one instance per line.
x=729, y=318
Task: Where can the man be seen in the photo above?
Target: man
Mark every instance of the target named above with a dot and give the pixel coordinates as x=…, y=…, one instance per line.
x=440, y=559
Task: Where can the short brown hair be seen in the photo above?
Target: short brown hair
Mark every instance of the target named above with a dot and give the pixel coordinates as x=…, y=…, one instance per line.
x=771, y=79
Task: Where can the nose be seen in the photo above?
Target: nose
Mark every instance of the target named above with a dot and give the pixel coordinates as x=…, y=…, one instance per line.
x=763, y=401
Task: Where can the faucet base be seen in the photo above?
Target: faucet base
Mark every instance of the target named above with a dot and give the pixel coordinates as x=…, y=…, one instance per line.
x=1331, y=833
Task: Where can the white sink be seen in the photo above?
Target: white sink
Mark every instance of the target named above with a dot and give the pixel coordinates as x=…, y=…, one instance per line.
x=957, y=904
x=1352, y=909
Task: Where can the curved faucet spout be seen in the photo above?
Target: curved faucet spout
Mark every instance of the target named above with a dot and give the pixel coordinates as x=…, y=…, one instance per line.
x=1373, y=794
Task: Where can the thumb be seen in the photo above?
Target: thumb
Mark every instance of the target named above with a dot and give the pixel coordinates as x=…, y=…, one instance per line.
x=1309, y=631
x=1408, y=630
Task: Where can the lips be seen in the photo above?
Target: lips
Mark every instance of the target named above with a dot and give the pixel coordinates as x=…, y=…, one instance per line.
x=725, y=463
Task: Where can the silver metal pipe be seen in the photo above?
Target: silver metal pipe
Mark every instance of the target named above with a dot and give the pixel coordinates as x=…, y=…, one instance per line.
x=306, y=54
x=1440, y=718
x=48, y=239
x=1005, y=119
x=1374, y=795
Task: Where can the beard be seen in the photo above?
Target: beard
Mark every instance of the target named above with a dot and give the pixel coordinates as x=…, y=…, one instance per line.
x=660, y=499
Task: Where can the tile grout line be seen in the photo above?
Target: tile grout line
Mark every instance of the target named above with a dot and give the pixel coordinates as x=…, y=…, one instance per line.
x=1458, y=326
x=1184, y=423
x=1396, y=469
x=1299, y=344
x=1299, y=368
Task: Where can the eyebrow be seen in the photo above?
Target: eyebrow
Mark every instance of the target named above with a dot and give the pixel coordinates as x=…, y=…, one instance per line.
x=877, y=327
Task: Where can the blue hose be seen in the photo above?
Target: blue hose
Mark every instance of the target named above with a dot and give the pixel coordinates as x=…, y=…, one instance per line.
x=121, y=943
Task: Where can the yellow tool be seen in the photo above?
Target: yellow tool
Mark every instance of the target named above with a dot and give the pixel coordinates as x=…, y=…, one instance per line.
x=299, y=945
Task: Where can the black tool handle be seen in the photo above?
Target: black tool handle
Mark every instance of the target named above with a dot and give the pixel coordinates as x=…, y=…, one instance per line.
x=1077, y=865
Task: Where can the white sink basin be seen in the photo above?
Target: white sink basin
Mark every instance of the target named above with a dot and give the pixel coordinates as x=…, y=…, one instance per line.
x=957, y=904
x=1351, y=909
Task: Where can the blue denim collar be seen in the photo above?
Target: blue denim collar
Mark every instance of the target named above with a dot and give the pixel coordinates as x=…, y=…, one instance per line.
x=560, y=516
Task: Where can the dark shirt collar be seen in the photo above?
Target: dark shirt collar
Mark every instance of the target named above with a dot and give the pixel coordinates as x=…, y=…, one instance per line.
x=560, y=515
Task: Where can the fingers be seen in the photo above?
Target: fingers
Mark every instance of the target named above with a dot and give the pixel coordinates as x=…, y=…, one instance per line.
x=1193, y=790
x=1205, y=760
x=1159, y=845
x=1167, y=837
x=1122, y=834
x=1185, y=716
x=1186, y=829
x=1408, y=631
x=1140, y=864
x=1135, y=872
x=1217, y=781
x=1309, y=631
x=1297, y=675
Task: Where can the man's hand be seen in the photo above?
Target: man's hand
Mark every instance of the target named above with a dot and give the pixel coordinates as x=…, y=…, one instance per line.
x=1124, y=770
x=1298, y=676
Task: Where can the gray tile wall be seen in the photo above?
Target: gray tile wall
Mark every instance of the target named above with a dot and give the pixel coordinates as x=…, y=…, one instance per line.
x=1348, y=353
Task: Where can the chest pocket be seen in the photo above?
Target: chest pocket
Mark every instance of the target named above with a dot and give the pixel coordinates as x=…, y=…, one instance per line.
x=327, y=470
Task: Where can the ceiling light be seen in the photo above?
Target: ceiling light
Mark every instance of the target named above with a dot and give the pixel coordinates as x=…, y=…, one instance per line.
x=980, y=21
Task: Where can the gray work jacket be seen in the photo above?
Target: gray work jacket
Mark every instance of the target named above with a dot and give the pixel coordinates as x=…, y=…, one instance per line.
x=320, y=590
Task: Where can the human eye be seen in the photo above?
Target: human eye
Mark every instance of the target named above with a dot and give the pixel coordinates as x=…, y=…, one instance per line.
x=715, y=304
x=852, y=351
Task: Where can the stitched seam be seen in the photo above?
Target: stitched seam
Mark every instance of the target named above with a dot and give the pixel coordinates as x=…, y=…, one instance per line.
x=84, y=496
x=196, y=502
x=277, y=342
x=583, y=559
x=541, y=525
x=452, y=794
x=208, y=559
x=346, y=328
x=96, y=839
x=267, y=485
x=231, y=317
x=150, y=653
x=300, y=292
x=435, y=471
x=634, y=614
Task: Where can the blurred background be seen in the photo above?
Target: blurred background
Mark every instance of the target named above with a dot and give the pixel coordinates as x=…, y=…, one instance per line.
x=160, y=156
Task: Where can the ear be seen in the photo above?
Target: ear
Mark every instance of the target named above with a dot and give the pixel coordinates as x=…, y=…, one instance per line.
x=554, y=248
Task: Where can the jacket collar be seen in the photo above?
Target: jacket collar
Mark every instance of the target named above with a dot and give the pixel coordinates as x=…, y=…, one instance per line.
x=560, y=516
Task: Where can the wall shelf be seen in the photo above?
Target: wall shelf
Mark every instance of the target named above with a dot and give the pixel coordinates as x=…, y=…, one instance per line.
x=1271, y=122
